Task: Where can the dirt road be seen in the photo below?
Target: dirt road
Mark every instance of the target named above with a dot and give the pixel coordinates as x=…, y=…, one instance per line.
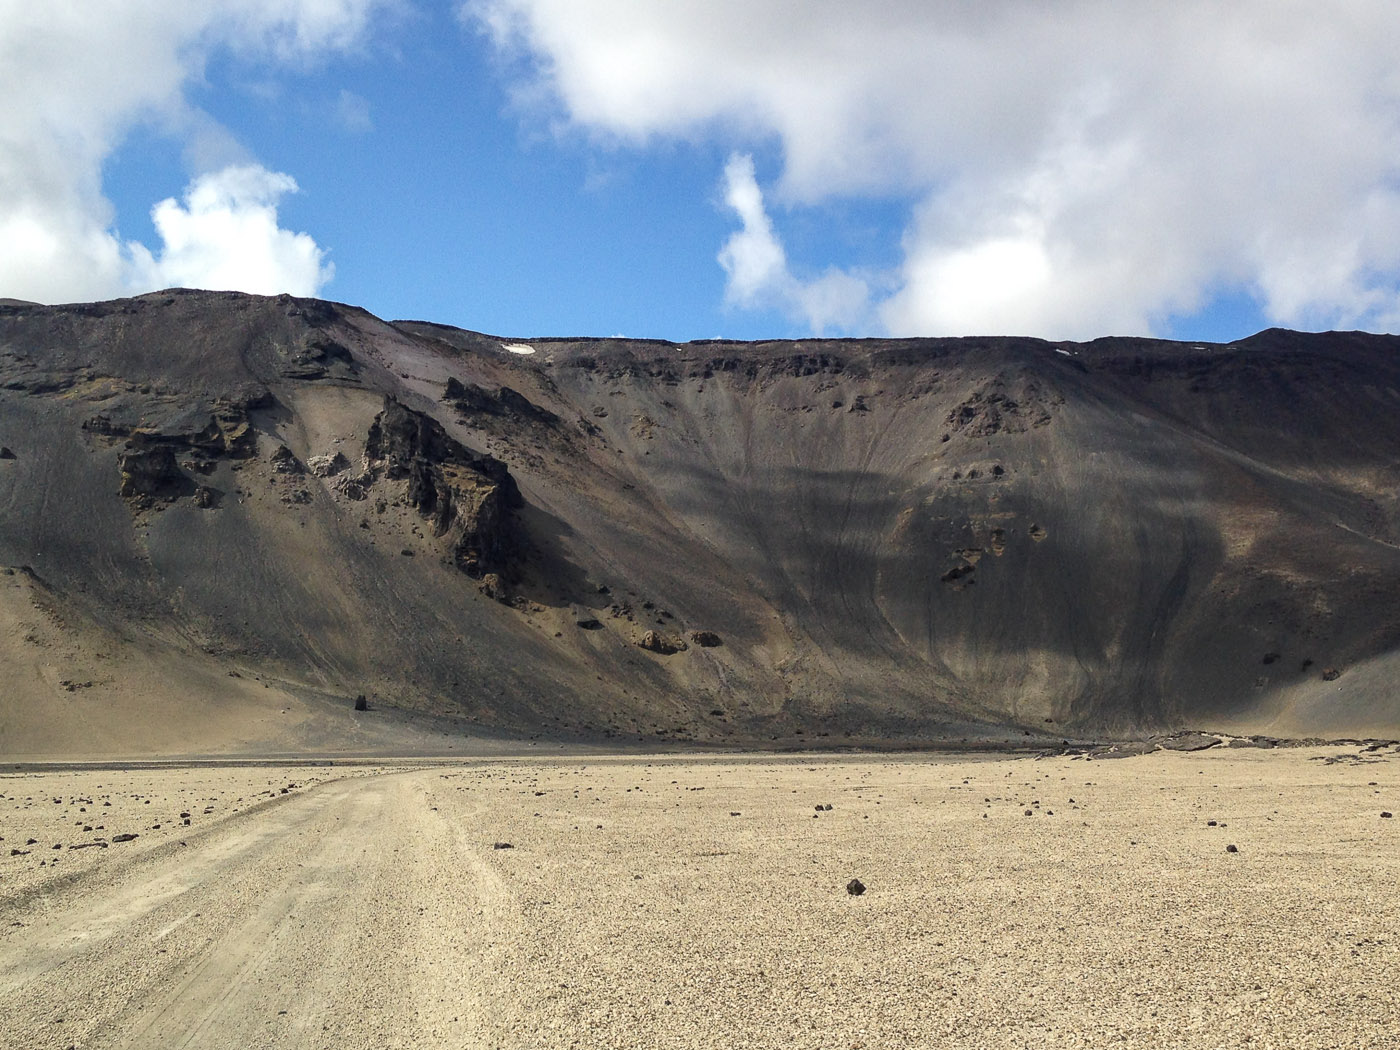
x=674, y=902
x=349, y=916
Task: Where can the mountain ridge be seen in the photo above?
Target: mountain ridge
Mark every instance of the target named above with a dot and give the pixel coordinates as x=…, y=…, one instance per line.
x=889, y=539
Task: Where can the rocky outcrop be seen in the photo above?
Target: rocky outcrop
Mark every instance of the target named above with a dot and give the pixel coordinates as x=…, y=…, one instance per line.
x=1003, y=407
x=318, y=356
x=466, y=496
x=1190, y=742
x=327, y=466
x=229, y=433
x=156, y=461
x=284, y=461
x=353, y=486
x=150, y=474
x=656, y=642
x=470, y=400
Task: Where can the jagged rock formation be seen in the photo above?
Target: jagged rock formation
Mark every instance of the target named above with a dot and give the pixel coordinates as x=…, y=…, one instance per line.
x=151, y=464
x=470, y=399
x=466, y=496
x=896, y=539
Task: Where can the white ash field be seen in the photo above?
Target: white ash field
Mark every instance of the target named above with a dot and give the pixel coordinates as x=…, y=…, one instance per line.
x=701, y=901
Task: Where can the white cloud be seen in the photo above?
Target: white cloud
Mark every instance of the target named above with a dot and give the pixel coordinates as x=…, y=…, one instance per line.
x=758, y=269
x=226, y=236
x=352, y=113
x=753, y=258
x=87, y=74
x=1077, y=168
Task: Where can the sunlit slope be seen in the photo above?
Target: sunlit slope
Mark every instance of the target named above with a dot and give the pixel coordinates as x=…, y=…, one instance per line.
x=1121, y=535
x=871, y=539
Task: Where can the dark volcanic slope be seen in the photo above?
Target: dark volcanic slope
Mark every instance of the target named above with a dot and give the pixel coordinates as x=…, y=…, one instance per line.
x=869, y=539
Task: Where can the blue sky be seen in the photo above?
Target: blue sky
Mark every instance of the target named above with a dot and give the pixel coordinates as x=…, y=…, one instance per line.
x=447, y=206
x=695, y=169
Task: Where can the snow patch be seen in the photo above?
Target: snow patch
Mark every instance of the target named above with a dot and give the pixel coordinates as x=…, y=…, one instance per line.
x=518, y=348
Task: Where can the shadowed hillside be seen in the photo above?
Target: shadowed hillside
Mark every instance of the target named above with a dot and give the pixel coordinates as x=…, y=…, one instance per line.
x=214, y=503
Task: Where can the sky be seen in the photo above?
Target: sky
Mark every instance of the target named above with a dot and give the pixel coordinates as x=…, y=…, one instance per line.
x=703, y=168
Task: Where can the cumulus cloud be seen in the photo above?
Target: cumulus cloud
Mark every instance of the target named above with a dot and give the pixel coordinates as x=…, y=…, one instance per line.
x=87, y=74
x=225, y=235
x=758, y=269
x=755, y=261
x=1070, y=169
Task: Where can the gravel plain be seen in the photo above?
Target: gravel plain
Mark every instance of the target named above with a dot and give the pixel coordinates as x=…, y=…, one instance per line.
x=690, y=901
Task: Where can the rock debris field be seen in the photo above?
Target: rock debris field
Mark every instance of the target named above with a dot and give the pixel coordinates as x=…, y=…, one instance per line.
x=649, y=901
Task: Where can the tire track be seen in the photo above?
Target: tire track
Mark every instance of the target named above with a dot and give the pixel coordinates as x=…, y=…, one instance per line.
x=82, y=915
x=364, y=914
x=224, y=988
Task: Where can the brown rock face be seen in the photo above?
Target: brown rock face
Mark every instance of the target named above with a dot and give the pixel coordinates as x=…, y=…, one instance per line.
x=228, y=433
x=151, y=473
x=1000, y=408
x=155, y=459
x=327, y=466
x=656, y=642
x=466, y=496
x=317, y=356
x=470, y=399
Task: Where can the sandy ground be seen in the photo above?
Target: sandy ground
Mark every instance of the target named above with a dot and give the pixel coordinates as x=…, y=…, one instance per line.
x=674, y=901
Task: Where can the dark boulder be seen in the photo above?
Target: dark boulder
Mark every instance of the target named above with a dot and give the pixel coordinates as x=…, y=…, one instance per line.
x=585, y=620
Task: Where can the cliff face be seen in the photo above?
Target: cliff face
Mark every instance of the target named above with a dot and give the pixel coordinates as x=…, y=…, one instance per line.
x=466, y=496
x=877, y=539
